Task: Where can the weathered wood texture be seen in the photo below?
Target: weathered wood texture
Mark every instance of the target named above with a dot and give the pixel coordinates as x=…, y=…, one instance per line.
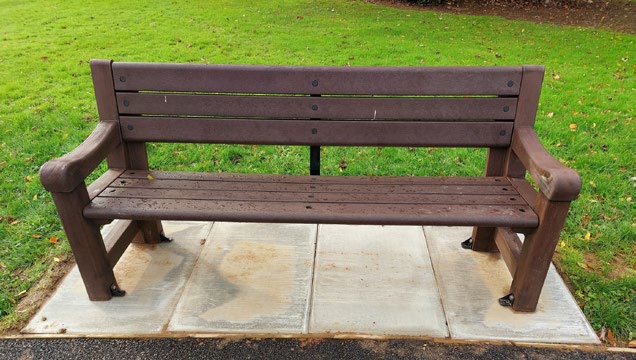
x=491, y=107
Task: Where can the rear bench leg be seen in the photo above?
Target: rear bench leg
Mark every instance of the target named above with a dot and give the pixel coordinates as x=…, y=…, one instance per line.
x=536, y=254
x=152, y=232
x=88, y=246
x=482, y=239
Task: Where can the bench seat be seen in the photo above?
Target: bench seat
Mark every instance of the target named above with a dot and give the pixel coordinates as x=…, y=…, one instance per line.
x=462, y=201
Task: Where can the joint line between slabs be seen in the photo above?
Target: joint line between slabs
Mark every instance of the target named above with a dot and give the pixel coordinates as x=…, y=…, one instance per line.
x=310, y=302
x=439, y=292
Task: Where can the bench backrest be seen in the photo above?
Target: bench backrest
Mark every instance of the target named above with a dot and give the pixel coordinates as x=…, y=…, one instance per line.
x=384, y=106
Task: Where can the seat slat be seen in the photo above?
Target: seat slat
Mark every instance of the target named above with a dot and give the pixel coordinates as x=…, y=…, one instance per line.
x=375, y=196
x=307, y=212
x=305, y=107
x=317, y=80
x=354, y=187
x=316, y=132
x=304, y=179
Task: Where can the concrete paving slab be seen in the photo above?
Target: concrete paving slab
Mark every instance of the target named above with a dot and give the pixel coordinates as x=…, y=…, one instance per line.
x=153, y=277
x=375, y=280
x=250, y=278
x=471, y=282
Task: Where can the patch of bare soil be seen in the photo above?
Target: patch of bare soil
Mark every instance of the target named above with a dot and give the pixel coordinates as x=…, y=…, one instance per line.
x=616, y=15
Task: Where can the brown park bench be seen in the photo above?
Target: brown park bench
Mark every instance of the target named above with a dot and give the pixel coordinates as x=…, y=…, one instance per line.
x=477, y=107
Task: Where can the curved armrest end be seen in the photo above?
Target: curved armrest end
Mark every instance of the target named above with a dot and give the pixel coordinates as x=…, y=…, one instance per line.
x=555, y=180
x=69, y=171
x=60, y=176
x=560, y=184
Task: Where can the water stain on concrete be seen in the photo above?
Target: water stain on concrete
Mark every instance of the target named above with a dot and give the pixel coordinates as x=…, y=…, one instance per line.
x=263, y=275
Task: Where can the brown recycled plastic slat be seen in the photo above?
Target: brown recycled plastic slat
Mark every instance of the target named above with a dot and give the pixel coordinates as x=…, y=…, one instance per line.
x=318, y=197
x=317, y=132
x=307, y=212
x=263, y=178
x=295, y=107
x=354, y=187
x=317, y=80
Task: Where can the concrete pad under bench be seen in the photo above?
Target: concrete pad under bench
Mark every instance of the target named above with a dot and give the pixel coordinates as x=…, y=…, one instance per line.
x=244, y=278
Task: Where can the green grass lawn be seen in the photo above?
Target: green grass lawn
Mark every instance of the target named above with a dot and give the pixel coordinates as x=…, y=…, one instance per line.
x=585, y=117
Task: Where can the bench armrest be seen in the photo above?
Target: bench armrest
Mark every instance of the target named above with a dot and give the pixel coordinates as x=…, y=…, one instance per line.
x=556, y=181
x=67, y=172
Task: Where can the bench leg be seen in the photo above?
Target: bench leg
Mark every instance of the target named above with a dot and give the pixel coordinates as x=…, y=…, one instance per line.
x=483, y=239
x=151, y=231
x=88, y=246
x=536, y=254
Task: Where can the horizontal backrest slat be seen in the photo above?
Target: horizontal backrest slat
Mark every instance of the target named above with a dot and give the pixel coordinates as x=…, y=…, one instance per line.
x=317, y=107
x=316, y=132
x=503, y=81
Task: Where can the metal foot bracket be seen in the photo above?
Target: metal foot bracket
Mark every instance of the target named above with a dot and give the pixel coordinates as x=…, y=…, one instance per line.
x=116, y=291
x=467, y=244
x=507, y=300
x=164, y=238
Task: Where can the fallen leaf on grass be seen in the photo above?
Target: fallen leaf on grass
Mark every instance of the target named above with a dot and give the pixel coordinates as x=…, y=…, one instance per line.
x=587, y=236
x=573, y=127
x=36, y=236
x=53, y=240
x=610, y=337
x=584, y=266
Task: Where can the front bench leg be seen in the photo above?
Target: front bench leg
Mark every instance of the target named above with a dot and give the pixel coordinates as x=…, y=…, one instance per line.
x=536, y=254
x=88, y=246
